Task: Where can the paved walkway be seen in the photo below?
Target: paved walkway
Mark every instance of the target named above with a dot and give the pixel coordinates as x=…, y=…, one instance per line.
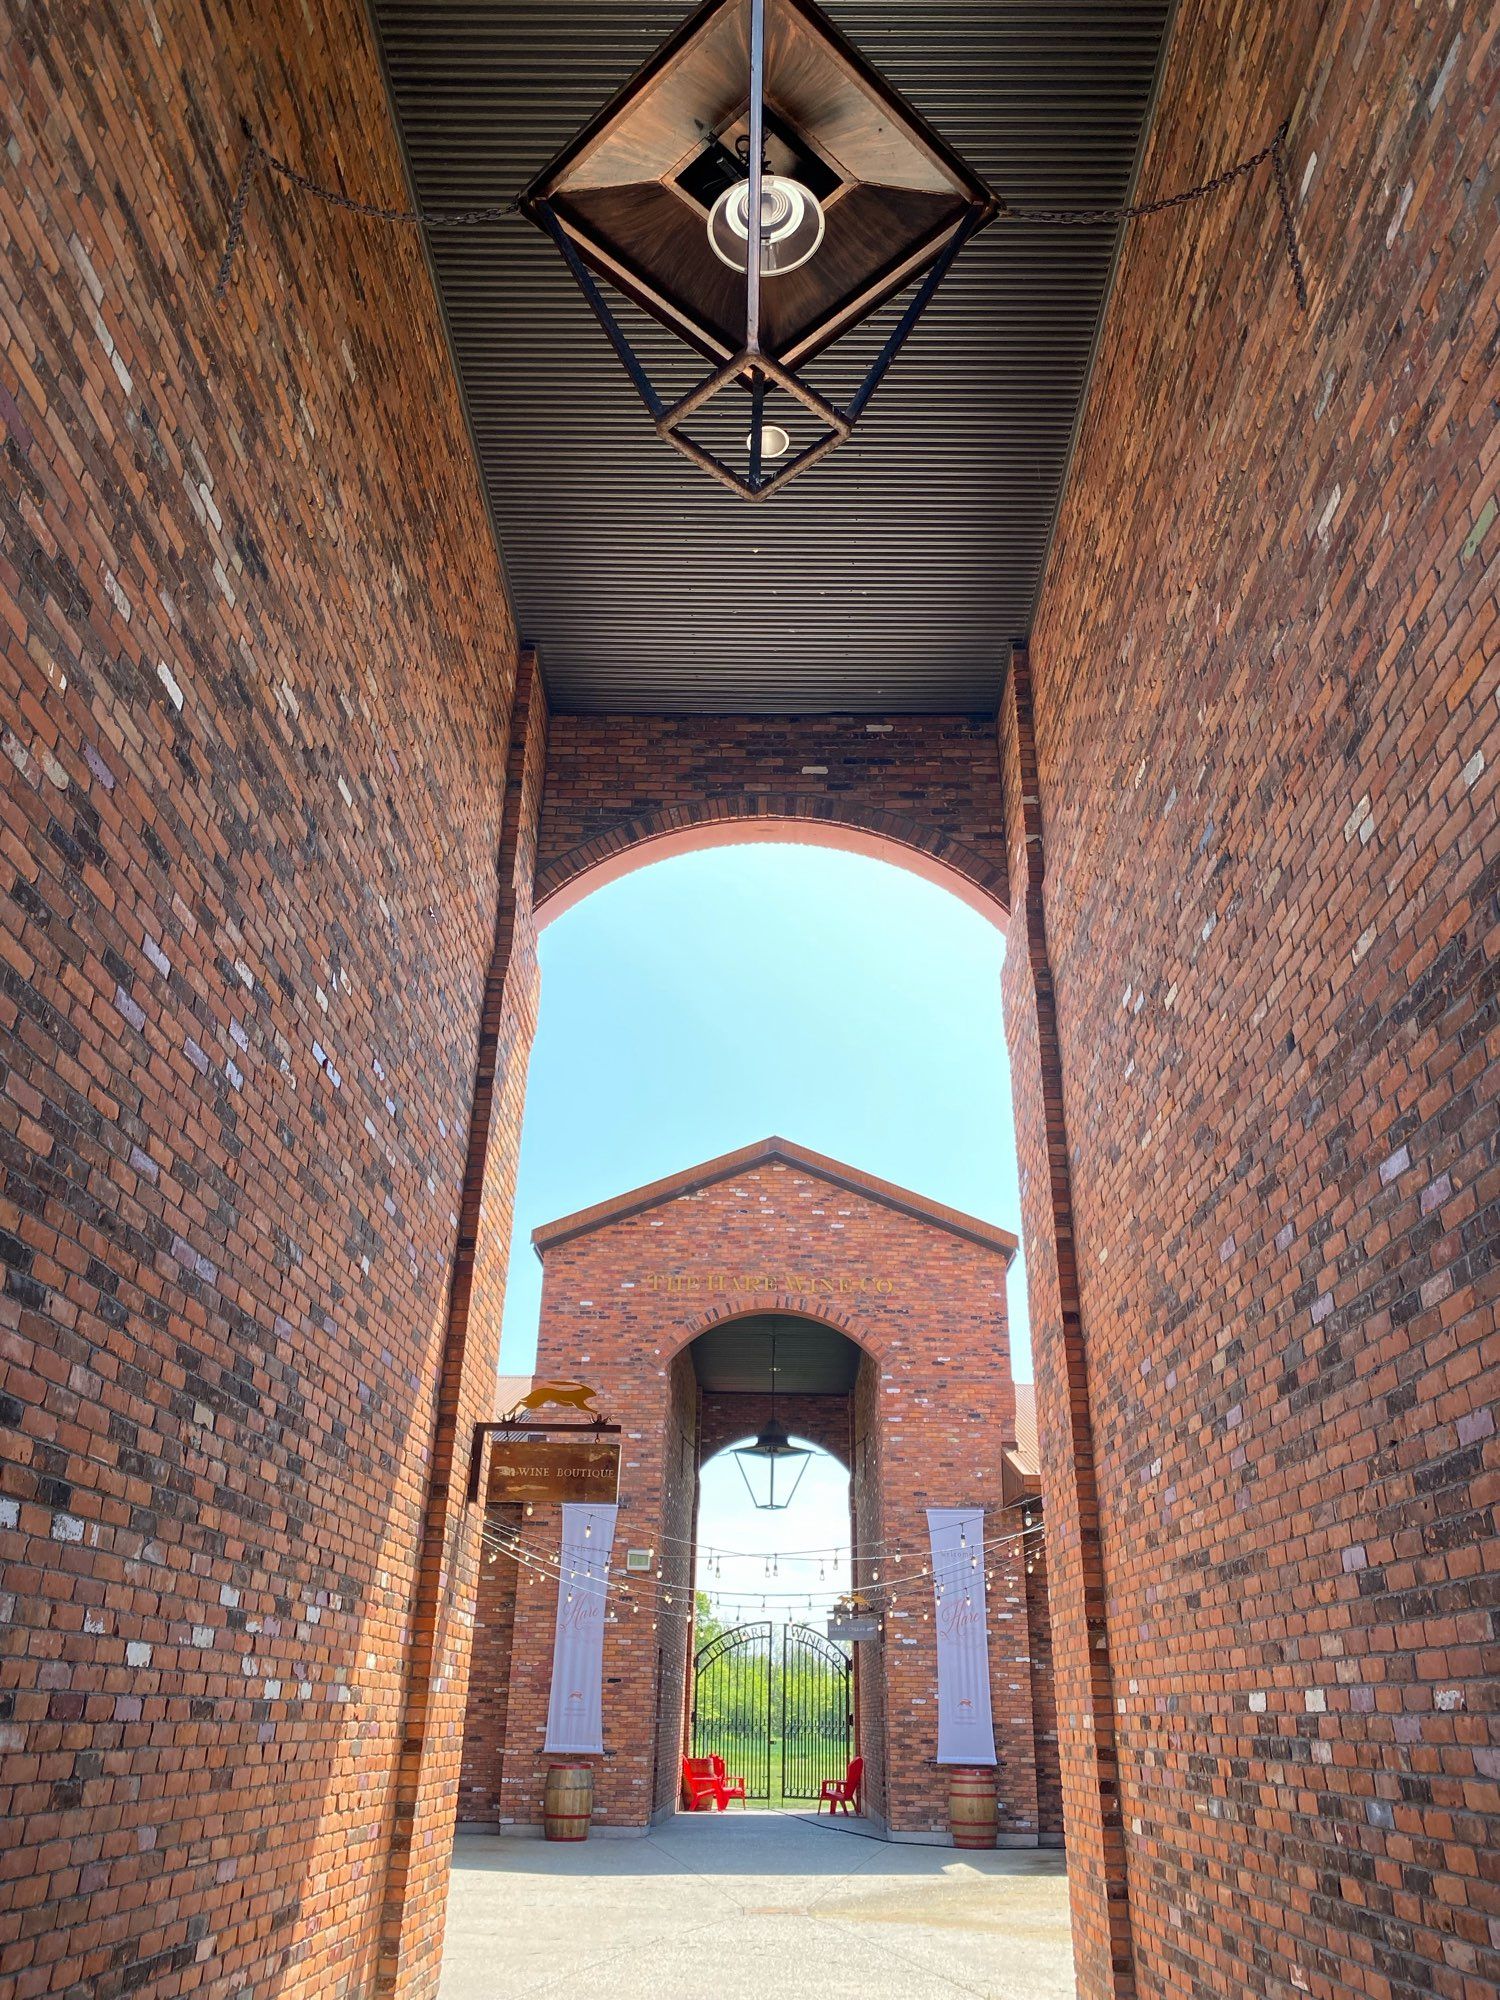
x=748, y=1905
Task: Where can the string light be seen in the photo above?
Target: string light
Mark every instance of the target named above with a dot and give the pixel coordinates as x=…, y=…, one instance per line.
x=547, y=1563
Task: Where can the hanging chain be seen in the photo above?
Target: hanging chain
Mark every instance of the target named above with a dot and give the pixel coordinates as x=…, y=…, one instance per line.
x=1288, y=220
x=1275, y=152
x=237, y=218
x=257, y=156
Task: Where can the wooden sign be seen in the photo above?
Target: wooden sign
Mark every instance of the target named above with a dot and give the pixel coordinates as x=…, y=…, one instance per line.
x=553, y=1469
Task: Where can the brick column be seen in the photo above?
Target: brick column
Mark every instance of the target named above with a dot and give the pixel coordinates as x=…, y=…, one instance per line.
x=1084, y=1680
x=440, y=1631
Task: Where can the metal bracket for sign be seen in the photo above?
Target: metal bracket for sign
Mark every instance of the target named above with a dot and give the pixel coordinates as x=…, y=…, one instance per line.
x=512, y=1427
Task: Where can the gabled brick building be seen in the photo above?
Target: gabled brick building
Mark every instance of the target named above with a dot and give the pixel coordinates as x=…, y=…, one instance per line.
x=893, y=1354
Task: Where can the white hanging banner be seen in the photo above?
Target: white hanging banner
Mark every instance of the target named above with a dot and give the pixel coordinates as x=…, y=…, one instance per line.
x=966, y=1730
x=575, y=1711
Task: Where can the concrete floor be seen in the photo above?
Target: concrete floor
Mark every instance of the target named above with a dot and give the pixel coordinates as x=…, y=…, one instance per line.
x=726, y=1907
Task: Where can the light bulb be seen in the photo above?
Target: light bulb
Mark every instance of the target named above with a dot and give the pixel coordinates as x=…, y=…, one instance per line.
x=791, y=225
x=775, y=441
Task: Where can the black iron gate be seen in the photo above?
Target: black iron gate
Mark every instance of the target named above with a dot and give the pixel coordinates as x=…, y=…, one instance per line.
x=817, y=1718
x=775, y=1703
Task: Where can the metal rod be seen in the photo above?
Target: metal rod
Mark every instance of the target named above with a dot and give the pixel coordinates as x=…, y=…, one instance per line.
x=757, y=425
x=910, y=317
x=583, y=277
x=757, y=151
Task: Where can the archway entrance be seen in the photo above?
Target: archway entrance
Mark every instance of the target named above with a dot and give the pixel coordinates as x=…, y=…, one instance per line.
x=770, y=1692
x=775, y=1703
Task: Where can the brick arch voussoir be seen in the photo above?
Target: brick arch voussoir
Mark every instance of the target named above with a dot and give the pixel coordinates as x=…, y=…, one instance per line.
x=740, y=1305
x=899, y=838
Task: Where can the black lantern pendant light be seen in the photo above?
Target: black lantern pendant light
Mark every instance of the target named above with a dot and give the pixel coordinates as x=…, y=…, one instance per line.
x=772, y=1452
x=759, y=189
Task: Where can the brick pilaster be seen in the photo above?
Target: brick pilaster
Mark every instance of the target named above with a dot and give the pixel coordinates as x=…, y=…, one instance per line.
x=1085, y=1683
x=441, y=1621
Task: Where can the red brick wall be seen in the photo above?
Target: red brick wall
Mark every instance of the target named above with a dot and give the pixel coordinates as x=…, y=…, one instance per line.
x=1267, y=737
x=919, y=789
x=725, y=1419
x=674, y=1621
x=620, y=1304
x=441, y=1619
x=1049, y=1799
x=865, y=1491
x=489, y=1679
x=254, y=673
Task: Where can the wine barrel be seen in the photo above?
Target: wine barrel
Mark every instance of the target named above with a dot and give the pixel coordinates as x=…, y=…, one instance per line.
x=568, y=1801
x=971, y=1808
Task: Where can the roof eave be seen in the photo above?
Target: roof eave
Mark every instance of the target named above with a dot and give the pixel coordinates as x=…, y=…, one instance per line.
x=620, y=1208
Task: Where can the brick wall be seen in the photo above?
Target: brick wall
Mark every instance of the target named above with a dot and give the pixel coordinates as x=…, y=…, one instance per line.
x=726, y=1419
x=623, y=1299
x=918, y=789
x=866, y=1486
x=1266, y=850
x=255, y=675
x=1049, y=1799
x=489, y=1679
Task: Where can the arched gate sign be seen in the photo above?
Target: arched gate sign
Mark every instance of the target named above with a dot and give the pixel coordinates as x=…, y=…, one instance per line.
x=775, y=1702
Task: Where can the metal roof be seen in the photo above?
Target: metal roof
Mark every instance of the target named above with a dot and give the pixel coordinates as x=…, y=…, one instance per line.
x=892, y=576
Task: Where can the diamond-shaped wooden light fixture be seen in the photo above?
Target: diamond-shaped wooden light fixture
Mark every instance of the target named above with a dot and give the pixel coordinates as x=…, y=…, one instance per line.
x=758, y=134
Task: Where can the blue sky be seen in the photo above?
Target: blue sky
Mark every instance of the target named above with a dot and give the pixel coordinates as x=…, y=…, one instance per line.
x=716, y=998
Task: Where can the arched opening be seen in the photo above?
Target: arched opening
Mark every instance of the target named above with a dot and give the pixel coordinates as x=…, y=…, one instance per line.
x=755, y=818
x=756, y=986
x=769, y=1691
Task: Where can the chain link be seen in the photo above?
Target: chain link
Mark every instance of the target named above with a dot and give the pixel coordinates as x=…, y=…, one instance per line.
x=1133, y=210
x=257, y=157
x=1275, y=152
x=454, y=218
x=236, y=219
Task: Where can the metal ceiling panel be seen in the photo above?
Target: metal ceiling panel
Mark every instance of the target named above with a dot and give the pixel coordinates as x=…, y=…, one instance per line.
x=892, y=576
x=811, y=1359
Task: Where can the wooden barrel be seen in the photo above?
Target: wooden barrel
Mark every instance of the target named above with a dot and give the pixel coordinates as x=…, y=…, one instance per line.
x=971, y=1808
x=568, y=1801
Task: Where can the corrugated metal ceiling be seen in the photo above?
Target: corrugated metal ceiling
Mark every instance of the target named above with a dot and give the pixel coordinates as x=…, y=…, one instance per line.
x=893, y=575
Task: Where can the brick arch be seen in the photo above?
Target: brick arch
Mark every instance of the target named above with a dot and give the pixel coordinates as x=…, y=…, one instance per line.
x=824, y=1429
x=745, y=1305
x=792, y=818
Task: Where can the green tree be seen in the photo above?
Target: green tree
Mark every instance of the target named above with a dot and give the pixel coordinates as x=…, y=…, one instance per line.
x=705, y=1625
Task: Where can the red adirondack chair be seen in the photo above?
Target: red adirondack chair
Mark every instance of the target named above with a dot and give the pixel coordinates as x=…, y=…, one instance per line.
x=703, y=1784
x=843, y=1792
x=730, y=1788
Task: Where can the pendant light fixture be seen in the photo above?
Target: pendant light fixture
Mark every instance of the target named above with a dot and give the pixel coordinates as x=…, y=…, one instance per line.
x=772, y=1452
x=759, y=189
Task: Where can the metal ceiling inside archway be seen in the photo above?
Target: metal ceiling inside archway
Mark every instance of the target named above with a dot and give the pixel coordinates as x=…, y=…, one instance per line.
x=892, y=576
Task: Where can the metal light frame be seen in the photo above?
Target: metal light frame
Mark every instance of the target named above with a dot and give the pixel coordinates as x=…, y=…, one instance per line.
x=752, y=362
x=771, y=1448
